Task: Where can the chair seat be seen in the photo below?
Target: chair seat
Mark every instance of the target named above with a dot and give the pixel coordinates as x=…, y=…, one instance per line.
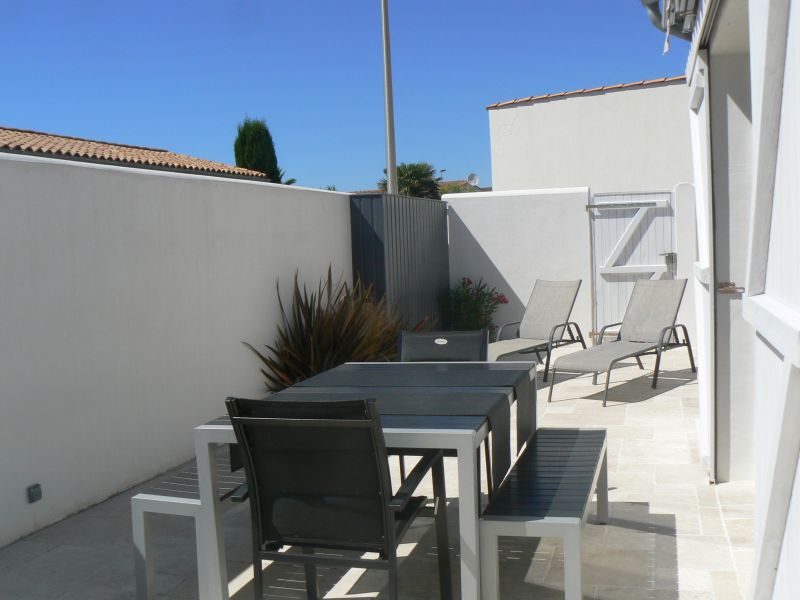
x=599, y=358
x=498, y=349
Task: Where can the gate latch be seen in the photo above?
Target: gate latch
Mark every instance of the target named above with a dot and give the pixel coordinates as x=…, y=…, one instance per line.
x=729, y=287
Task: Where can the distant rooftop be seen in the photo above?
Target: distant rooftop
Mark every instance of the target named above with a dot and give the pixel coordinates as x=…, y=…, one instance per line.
x=595, y=90
x=25, y=141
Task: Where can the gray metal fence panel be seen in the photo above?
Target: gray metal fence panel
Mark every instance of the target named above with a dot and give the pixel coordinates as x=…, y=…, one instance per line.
x=400, y=247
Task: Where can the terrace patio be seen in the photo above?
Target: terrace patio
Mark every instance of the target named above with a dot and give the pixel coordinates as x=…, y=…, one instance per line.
x=670, y=534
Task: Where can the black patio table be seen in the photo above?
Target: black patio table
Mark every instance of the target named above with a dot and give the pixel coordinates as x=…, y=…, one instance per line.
x=406, y=388
x=429, y=407
x=473, y=375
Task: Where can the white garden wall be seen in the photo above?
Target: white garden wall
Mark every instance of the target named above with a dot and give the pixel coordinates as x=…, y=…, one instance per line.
x=513, y=238
x=126, y=294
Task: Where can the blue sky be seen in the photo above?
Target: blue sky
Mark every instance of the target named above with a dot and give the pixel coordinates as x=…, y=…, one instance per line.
x=180, y=75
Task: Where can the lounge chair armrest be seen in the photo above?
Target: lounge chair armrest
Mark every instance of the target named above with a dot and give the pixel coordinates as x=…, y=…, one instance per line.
x=562, y=327
x=400, y=500
x=603, y=331
x=674, y=330
x=499, y=334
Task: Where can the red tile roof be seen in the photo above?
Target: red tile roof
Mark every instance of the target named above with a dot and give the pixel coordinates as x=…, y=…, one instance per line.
x=603, y=88
x=61, y=146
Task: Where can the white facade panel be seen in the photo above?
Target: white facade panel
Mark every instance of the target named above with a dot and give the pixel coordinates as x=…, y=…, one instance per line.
x=783, y=268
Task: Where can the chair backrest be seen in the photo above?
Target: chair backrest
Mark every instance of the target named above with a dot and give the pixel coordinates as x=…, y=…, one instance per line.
x=653, y=306
x=441, y=346
x=317, y=473
x=550, y=304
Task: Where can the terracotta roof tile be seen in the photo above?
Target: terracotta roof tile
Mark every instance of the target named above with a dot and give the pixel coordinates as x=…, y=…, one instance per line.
x=48, y=144
x=594, y=90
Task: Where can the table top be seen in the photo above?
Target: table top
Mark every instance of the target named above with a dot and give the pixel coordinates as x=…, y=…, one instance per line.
x=404, y=422
x=418, y=375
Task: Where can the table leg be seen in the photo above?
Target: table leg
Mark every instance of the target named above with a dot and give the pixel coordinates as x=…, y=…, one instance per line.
x=212, y=575
x=468, y=514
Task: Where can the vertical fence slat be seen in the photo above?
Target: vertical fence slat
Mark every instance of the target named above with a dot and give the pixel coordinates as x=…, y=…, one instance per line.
x=400, y=247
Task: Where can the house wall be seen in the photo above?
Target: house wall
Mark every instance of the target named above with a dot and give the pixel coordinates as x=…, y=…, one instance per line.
x=126, y=296
x=616, y=141
x=731, y=152
x=774, y=309
x=513, y=238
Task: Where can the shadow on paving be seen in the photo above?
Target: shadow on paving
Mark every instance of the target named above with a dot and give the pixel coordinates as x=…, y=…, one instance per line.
x=622, y=391
x=634, y=556
x=640, y=388
x=418, y=570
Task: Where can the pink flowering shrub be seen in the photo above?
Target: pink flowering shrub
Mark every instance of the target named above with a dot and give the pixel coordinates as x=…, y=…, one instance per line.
x=469, y=305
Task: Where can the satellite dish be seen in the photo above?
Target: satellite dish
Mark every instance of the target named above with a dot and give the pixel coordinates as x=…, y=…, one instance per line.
x=473, y=179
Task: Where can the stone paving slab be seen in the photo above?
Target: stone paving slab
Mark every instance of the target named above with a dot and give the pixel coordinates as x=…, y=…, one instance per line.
x=670, y=536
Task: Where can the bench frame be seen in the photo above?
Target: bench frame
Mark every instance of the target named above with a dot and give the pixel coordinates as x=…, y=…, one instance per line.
x=143, y=506
x=567, y=528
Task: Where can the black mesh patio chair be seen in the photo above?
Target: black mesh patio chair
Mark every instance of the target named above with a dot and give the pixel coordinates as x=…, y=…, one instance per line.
x=648, y=327
x=545, y=325
x=443, y=346
x=319, y=480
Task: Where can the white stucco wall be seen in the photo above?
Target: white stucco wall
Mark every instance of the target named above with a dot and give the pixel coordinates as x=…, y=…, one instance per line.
x=777, y=347
x=628, y=140
x=511, y=239
x=731, y=152
x=126, y=295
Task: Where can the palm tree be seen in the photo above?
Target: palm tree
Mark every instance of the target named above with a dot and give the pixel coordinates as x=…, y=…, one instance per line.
x=415, y=179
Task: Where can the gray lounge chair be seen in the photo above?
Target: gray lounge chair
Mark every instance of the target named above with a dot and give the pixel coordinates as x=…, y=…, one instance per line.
x=648, y=327
x=545, y=324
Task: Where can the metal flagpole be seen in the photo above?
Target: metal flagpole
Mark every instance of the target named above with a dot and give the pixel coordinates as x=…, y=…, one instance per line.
x=391, y=159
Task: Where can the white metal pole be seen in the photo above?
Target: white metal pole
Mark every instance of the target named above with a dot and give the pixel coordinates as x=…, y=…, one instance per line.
x=391, y=159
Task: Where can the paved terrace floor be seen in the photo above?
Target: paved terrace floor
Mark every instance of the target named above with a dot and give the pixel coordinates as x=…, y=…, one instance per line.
x=670, y=535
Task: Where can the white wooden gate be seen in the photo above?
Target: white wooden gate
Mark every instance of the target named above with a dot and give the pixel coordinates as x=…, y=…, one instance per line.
x=633, y=237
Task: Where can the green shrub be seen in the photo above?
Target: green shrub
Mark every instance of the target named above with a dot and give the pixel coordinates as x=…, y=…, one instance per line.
x=327, y=327
x=470, y=306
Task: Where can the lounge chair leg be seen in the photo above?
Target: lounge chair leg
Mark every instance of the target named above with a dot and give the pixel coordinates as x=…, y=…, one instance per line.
x=655, y=371
x=442, y=542
x=689, y=350
x=402, y=468
x=580, y=337
x=546, y=366
x=639, y=360
x=552, y=383
x=608, y=379
x=312, y=589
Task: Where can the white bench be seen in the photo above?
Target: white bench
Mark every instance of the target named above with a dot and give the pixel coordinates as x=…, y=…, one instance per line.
x=179, y=495
x=548, y=494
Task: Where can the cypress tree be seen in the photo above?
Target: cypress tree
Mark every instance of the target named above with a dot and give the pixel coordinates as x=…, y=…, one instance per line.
x=254, y=149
